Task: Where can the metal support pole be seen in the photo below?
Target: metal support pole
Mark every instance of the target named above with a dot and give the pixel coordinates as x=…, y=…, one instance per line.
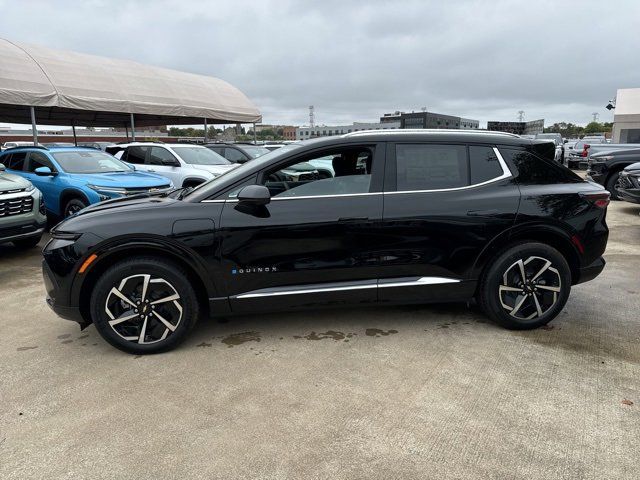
x=133, y=129
x=126, y=131
x=255, y=135
x=34, y=129
x=205, y=130
x=75, y=139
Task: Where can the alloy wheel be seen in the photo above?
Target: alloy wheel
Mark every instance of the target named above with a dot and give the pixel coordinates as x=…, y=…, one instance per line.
x=143, y=309
x=530, y=288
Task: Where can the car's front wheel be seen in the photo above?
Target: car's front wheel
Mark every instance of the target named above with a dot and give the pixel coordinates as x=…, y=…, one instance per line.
x=526, y=286
x=73, y=206
x=612, y=185
x=144, y=305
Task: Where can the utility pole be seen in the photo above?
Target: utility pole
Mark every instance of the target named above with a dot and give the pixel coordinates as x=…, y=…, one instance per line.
x=521, y=115
x=312, y=120
x=595, y=116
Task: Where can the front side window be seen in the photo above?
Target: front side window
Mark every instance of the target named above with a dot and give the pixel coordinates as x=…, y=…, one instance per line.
x=136, y=155
x=234, y=155
x=431, y=167
x=89, y=162
x=37, y=160
x=161, y=156
x=337, y=172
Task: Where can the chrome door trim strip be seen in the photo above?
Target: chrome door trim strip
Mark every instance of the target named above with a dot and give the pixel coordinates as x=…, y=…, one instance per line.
x=384, y=283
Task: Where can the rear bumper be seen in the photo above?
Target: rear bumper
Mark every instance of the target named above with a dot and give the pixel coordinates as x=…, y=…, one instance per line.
x=591, y=271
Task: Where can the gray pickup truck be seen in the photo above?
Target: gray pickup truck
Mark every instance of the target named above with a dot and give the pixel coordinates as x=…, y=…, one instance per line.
x=605, y=147
x=22, y=212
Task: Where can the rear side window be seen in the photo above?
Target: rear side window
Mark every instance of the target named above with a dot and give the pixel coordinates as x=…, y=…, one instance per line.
x=533, y=170
x=484, y=164
x=17, y=160
x=136, y=154
x=431, y=167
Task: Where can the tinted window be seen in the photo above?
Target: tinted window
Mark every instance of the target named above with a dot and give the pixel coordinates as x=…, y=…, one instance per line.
x=37, y=160
x=218, y=150
x=533, y=170
x=17, y=160
x=234, y=155
x=199, y=156
x=350, y=173
x=136, y=154
x=484, y=164
x=431, y=167
x=255, y=152
x=161, y=156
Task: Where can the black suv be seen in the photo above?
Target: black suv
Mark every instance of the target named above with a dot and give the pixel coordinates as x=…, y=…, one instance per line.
x=605, y=168
x=406, y=217
x=238, y=152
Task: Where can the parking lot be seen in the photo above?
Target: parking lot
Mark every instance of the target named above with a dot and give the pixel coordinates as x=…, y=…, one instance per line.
x=368, y=393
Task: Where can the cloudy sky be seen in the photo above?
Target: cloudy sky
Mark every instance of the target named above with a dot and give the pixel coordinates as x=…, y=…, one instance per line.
x=354, y=60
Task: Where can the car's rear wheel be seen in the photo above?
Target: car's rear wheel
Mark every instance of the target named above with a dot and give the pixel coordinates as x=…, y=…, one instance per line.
x=144, y=305
x=73, y=206
x=612, y=185
x=526, y=286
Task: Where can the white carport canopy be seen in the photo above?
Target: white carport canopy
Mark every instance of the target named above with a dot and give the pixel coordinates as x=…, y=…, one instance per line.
x=69, y=88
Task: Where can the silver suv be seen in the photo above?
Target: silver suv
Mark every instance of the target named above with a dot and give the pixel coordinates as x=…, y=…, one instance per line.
x=185, y=164
x=22, y=212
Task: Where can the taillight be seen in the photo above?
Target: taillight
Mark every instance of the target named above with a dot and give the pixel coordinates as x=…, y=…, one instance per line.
x=599, y=199
x=585, y=150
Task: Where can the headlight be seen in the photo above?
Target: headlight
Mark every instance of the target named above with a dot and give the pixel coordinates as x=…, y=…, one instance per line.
x=59, y=235
x=30, y=188
x=118, y=191
x=606, y=158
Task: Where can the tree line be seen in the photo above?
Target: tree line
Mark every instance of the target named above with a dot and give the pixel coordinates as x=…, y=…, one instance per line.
x=570, y=130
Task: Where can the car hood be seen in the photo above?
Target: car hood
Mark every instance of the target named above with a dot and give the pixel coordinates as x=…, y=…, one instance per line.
x=634, y=167
x=216, y=169
x=124, y=179
x=9, y=181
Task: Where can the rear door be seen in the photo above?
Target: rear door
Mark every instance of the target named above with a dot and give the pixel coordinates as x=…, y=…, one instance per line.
x=316, y=242
x=443, y=204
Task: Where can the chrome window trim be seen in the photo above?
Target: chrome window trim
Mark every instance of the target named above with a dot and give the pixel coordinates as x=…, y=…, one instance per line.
x=381, y=283
x=506, y=173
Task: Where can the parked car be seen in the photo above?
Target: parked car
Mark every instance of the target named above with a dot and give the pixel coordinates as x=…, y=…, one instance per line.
x=432, y=217
x=70, y=178
x=23, y=217
x=97, y=145
x=605, y=168
x=238, y=152
x=628, y=187
x=57, y=144
x=273, y=146
x=556, y=138
x=577, y=157
x=186, y=165
x=592, y=149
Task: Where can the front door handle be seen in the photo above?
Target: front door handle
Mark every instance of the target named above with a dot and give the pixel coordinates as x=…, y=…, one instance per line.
x=483, y=213
x=353, y=219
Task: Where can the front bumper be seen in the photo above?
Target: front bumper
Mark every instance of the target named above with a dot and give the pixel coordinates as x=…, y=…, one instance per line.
x=591, y=271
x=629, y=194
x=53, y=297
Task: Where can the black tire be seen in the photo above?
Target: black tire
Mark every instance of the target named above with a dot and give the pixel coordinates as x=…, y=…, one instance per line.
x=27, y=242
x=170, y=280
x=73, y=206
x=517, y=309
x=612, y=181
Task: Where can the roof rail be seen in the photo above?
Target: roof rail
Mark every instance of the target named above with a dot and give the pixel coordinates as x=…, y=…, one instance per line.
x=393, y=131
x=41, y=147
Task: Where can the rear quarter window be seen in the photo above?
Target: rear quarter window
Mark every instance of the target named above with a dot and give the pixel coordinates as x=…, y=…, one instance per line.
x=533, y=170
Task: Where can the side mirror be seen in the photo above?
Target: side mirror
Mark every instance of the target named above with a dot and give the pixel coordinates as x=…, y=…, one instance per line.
x=2, y=167
x=254, y=195
x=169, y=163
x=566, y=141
x=44, y=172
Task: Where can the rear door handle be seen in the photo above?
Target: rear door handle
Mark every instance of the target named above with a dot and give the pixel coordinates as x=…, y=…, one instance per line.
x=483, y=213
x=353, y=219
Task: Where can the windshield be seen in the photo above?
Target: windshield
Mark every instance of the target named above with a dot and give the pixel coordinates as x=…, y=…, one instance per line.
x=195, y=155
x=89, y=162
x=547, y=135
x=255, y=152
x=241, y=171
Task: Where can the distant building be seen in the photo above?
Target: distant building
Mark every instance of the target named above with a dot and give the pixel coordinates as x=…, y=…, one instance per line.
x=426, y=119
x=289, y=132
x=305, y=133
x=519, y=128
x=626, y=121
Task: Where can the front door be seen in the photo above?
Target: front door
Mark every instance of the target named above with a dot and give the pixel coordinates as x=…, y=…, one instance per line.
x=316, y=242
x=443, y=205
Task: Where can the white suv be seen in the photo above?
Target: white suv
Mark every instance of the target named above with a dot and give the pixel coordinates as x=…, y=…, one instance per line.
x=186, y=165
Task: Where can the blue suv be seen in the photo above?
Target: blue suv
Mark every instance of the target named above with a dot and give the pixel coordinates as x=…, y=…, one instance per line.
x=70, y=178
